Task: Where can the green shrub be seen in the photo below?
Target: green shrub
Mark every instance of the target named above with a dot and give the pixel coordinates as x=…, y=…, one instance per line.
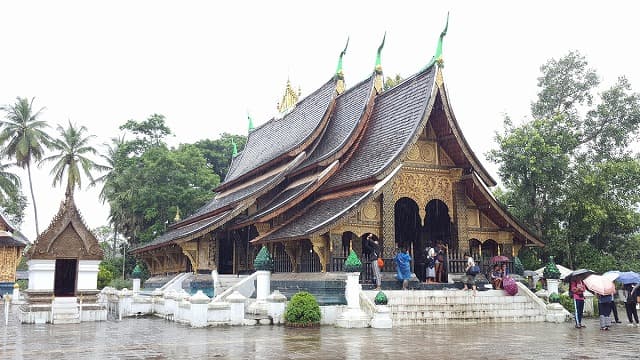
x=554, y=298
x=120, y=284
x=104, y=276
x=567, y=302
x=302, y=309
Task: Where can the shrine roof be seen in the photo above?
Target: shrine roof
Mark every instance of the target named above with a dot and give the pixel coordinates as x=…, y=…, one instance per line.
x=320, y=213
x=397, y=116
x=183, y=232
x=282, y=135
x=349, y=109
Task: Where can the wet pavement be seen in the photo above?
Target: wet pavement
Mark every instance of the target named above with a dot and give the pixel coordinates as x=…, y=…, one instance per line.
x=154, y=338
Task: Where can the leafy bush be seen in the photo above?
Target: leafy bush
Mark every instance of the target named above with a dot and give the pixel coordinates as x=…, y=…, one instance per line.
x=302, y=309
x=554, y=298
x=119, y=284
x=104, y=276
x=567, y=302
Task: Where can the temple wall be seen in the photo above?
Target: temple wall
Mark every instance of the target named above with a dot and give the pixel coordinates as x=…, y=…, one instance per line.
x=9, y=258
x=88, y=274
x=41, y=274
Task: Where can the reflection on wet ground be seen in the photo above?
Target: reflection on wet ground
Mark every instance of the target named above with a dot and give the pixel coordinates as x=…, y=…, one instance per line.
x=153, y=338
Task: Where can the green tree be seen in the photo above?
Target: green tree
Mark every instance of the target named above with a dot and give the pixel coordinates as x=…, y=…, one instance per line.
x=569, y=173
x=12, y=201
x=72, y=150
x=24, y=139
x=218, y=152
x=390, y=82
x=149, y=182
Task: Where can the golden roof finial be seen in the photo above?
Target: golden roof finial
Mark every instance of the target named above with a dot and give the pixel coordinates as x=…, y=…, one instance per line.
x=177, y=218
x=289, y=99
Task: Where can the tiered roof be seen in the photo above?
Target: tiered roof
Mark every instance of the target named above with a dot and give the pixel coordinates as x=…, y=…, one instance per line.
x=331, y=153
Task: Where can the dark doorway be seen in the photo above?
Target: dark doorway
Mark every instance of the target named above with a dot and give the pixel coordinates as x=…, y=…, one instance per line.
x=225, y=262
x=437, y=224
x=65, y=277
x=408, y=232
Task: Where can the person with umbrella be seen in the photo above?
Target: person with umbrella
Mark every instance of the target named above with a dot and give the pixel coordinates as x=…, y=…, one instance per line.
x=632, y=291
x=577, y=289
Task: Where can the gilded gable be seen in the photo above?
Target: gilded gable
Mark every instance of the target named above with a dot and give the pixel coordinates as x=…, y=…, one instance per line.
x=66, y=237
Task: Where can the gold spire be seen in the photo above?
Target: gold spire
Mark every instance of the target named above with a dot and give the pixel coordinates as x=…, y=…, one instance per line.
x=289, y=99
x=177, y=218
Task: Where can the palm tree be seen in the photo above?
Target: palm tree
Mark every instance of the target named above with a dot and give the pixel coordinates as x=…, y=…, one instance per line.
x=9, y=182
x=24, y=139
x=72, y=148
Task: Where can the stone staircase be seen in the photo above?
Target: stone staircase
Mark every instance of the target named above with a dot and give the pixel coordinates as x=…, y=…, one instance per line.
x=410, y=308
x=65, y=310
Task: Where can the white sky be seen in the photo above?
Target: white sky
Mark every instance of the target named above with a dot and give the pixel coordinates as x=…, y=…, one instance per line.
x=204, y=64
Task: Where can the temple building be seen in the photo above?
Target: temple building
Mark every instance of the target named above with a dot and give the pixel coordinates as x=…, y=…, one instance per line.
x=63, y=271
x=12, y=243
x=337, y=165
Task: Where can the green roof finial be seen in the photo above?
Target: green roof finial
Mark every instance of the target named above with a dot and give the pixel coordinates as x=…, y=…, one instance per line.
x=234, y=152
x=378, y=66
x=437, y=57
x=339, y=68
x=250, y=122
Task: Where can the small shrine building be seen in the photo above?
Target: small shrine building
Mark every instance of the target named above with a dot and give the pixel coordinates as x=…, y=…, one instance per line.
x=63, y=271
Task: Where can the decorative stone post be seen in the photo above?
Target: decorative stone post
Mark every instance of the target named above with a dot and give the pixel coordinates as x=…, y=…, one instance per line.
x=277, y=303
x=157, y=300
x=237, y=307
x=353, y=317
x=170, y=303
x=263, y=263
x=219, y=313
x=15, y=298
x=199, y=306
x=552, y=275
x=382, y=316
x=126, y=301
x=136, y=274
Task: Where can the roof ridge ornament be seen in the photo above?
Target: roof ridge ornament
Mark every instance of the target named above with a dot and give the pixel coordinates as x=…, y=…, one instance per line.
x=340, y=87
x=437, y=57
x=289, y=99
x=251, y=127
x=378, y=83
x=234, y=150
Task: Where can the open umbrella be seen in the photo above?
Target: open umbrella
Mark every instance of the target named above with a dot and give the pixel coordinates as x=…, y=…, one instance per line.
x=612, y=275
x=577, y=275
x=499, y=259
x=628, y=277
x=599, y=284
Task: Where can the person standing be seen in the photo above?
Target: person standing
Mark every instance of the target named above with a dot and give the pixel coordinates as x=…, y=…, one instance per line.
x=374, y=254
x=470, y=278
x=604, y=309
x=440, y=253
x=577, y=289
x=430, y=263
x=632, y=291
x=403, y=267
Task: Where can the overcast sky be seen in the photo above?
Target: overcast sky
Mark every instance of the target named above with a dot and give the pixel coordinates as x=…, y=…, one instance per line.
x=204, y=64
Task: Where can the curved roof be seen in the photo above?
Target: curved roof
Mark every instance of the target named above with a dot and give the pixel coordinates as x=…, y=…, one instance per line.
x=397, y=116
x=267, y=142
x=349, y=110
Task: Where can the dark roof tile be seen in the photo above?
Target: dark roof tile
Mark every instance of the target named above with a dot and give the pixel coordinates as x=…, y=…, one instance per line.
x=396, y=116
x=279, y=136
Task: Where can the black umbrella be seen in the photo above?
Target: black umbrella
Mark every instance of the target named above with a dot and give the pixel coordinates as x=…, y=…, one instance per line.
x=578, y=275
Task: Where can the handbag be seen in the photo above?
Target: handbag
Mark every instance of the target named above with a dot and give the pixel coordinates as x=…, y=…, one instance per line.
x=474, y=270
x=380, y=263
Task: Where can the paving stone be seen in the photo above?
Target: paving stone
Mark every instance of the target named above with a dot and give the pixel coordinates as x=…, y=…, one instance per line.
x=155, y=338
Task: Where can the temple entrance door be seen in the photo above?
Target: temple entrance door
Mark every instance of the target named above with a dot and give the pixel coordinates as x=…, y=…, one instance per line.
x=437, y=229
x=65, y=277
x=225, y=265
x=408, y=232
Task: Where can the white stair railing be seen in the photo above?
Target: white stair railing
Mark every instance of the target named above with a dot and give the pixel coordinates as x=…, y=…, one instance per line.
x=234, y=287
